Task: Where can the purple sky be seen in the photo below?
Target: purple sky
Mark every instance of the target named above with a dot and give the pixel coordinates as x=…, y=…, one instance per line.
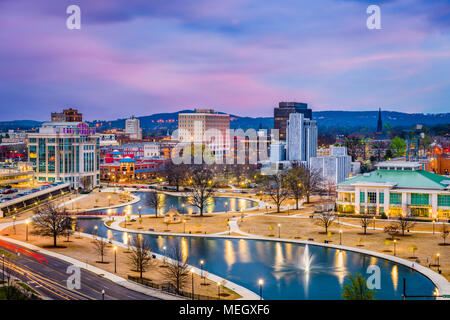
x=136, y=57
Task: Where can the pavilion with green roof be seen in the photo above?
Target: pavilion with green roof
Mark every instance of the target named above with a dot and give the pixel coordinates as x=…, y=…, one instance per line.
x=396, y=189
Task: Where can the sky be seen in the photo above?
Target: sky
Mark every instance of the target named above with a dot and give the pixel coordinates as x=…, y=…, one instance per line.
x=139, y=57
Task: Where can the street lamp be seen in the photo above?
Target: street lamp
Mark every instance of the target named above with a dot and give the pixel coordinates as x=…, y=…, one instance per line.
x=395, y=247
x=26, y=225
x=433, y=226
x=438, y=264
x=226, y=207
x=340, y=237
x=373, y=223
x=115, y=259
x=218, y=290
x=260, y=282
x=139, y=210
x=192, y=273
x=14, y=224
x=201, y=268
x=103, y=294
x=279, y=230
x=95, y=228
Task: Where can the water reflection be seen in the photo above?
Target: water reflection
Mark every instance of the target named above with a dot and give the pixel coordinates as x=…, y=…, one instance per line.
x=279, y=264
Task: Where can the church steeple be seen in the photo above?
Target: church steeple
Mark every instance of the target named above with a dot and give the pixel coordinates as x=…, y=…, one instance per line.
x=379, y=123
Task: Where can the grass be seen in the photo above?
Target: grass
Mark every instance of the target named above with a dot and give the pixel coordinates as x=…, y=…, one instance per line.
x=11, y=293
x=26, y=287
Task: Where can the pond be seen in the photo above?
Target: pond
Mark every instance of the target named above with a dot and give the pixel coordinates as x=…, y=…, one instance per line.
x=290, y=271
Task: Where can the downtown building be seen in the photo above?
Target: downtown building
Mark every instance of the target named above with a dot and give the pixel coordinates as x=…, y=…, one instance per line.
x=301, y=138
x=281, y=115
x=133, y=128
x=396, y=189
x=335, y=167
x=206, y=127
x=66, y=151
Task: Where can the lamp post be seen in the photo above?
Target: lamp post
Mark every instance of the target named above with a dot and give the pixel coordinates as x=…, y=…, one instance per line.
x=260, y=282
x=340, y=237
x=26, y=228
x=201, y=268
x=139, y=210
x=14, y=224
x=192, y=274
x=433, y=226
x=115, y=259
x=229, y=227
x=437, y=257
x=218, y=290
x=109, y=201
x=374, y=223
x=95, y=234
x=279, y=230
x=226, y=207
x=338, y=214
x=103, y=294
x=184, y=226
x=395, y=247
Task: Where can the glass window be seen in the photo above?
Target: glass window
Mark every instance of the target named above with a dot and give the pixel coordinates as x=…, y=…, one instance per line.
x=372, y=197
x=362, y=197
x=395, y=198
x=419, y=199
x=443, y=200
x=381, y=197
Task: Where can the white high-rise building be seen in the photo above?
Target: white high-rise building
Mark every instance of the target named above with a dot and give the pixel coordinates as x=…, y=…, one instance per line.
x=133, y=128
x=301, y=138
x=335, y=167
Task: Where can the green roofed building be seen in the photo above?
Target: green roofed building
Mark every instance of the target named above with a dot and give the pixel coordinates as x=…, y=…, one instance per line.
x=396, y=188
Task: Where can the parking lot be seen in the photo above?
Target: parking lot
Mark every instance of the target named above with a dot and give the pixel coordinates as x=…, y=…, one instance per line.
x=8, y=193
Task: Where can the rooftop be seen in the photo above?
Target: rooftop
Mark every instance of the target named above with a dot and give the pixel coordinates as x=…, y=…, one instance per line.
x=419, y=179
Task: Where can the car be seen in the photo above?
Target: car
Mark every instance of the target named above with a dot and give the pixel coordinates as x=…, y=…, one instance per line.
x=35, y=190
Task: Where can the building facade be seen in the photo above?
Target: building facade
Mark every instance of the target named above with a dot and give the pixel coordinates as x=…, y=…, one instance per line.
x=396, y=189
x=133, y=128
x=335, y=167
x=68, y=115
x=66, y=151
x=207, y=127
x=301, y=138
x=281, y=115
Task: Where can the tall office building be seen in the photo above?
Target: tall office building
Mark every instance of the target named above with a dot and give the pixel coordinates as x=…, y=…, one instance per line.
x=66, y=151
x=133, y=128
x=192, y=128
x=301, y=138
x=281, y=115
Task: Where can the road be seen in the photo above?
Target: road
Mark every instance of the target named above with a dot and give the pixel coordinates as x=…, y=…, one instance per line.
x=47, y=275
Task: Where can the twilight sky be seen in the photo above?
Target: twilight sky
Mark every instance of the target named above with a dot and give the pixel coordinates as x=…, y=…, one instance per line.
x=138, y=57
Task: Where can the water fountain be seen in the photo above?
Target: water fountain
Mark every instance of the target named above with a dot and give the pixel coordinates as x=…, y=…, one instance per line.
x=306, y=260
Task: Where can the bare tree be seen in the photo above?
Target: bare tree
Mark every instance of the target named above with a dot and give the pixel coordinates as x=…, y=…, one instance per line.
x=177, y=272
x=276, y=187
x=365, y=221
x=312, y=181
x=404, y=224
x=294, y=184
x=444, y=233
x=326, y=219
x=100, y=246
x=154, y=201
x=202, y=185
x=51, y=221
x=391, y=230
x=176, y=174
x=140, y=254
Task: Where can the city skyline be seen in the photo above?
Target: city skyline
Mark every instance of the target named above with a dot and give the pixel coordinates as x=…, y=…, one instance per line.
x=238, y=57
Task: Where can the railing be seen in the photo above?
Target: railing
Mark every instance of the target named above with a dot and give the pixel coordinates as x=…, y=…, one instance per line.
x=169, y=288
x=96, y=213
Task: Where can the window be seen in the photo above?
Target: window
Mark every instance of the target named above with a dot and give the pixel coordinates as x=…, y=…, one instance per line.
x=381, y=210
x=362, y=197
x=420, y=199
x=395, y=198
x=443, y=200
x=381, y=197
x=372, y=197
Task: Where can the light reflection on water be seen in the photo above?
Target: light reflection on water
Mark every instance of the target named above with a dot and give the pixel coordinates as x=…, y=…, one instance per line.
x=245, y=261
